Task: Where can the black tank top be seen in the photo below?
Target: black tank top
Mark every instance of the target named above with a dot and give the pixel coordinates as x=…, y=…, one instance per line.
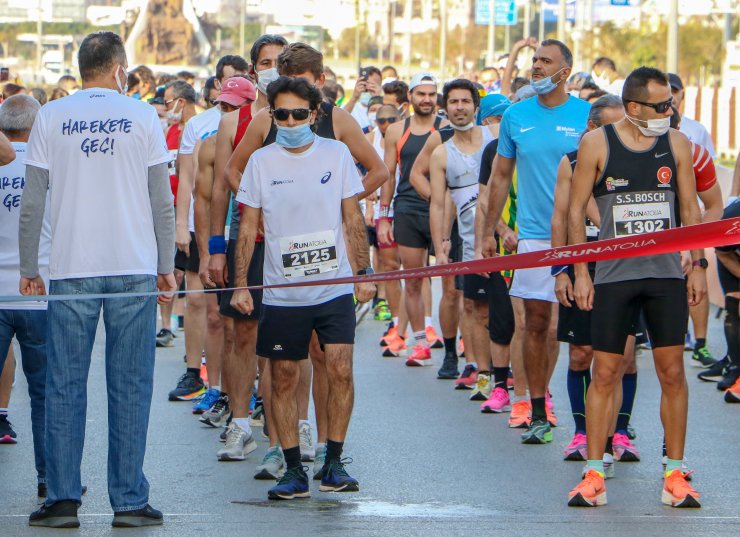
x=408, y=148
x=324, y=125
x=637, y=194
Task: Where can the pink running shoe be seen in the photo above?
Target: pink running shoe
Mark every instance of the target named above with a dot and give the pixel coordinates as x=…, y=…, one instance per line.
x=548, y=401
x=468, y=378
x=498, y=402
x=624, y=451
x=576, y=450
x=421, y=355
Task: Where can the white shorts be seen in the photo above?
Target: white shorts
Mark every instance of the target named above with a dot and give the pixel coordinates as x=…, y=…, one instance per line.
x=534, y=283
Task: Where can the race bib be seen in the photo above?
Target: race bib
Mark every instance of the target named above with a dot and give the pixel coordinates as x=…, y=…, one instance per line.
x=638, y=218
x=306, y=255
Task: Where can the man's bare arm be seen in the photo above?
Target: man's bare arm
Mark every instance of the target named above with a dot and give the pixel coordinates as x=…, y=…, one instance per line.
x=349, y=132
x=438, y=188
x=392, y=135
x=581, y=189
x=559, y=222
x=245, y=245
x=253, y=140
x=419, y=176
x=186, y=171
x=203, y=188
x=686, y=184
x=220, y=192
x=713, y=204
x=356, y=234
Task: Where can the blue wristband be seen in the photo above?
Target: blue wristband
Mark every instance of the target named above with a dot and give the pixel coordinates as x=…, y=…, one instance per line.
x=558, y=269
x=217, y=245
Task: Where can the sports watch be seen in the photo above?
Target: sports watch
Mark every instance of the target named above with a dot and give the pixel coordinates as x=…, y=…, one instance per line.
x=365, y=272
x=701, y=263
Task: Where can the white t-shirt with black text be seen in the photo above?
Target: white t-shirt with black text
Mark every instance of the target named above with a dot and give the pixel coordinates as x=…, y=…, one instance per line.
x=301, y=200
x=98, y=146
x=12, y=181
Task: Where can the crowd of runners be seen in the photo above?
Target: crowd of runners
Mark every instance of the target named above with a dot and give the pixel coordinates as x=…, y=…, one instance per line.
x=269, y=174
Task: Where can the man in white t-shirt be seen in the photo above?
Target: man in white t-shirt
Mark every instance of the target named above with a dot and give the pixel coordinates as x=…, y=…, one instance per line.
x=24, y=320
x=694, y=131
x=102, y=158
x=304, y=188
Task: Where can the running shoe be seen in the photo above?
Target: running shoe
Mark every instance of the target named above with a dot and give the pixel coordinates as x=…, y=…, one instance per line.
x=421, y=355
x=716, y=371
x=449, y=367
x=207, y=401
x=548, y=401
x=308, y=451
x=396, y=347
x=539, y=432
x=469, y=377
x=576, y=450
x=677, y=492
x=433, y=340
x=551, y=417
x=218, y=414
x=257, y=417
x=624, y=451
x=521, y=415
x=272, y=466
x=319, y=461
x=334, y=477
x=497, y=403
x=701, y=357
x=165, y=338
x=7, y=434
x=732, y=395
x=238, y=445
x=146, y=516
x=382, y=311
x=461, y=348
x=188, y=387
x=590, y=492
x=61, y=514
x=483, y=388
x=685, y=468
x=730, y=378
x=293, y=484
x=688, y=344
x=631, y=433
x=388, y=335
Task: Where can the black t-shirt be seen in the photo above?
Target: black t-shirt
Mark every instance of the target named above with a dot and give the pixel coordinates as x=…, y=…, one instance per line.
x=731, y=211
x=486, y=161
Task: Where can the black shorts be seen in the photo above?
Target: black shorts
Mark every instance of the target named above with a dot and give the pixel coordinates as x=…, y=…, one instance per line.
x=617, y=305
x=181, y=260
x=372, y=236
x=456, y=245
x=574, y=324
x=727, y=280
x=500, y=311
x=254, y=277
x=474, y=286
x=412, y=230
x=284, y=332
x=193, y=264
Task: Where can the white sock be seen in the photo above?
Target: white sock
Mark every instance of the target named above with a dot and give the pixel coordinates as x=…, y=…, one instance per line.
x=428, y=321
x=420, y=337
x=243, y=424
x=395, y=322
x=217, y=388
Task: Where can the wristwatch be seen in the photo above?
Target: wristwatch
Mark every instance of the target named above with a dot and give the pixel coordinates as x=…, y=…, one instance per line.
x=365, y=272
x=701, y=263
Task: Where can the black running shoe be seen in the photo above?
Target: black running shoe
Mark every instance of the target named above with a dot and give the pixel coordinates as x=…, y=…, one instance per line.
x=729, y=378
x=449, y=367
x=165, y=338
x=715, y=372
x=7, y=434
x=147, y=516
x=58, y=515
x=701, y=357
x=334, y=477
x=188, y=387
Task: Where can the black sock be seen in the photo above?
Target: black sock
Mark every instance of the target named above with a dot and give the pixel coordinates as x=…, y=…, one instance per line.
x=292, y=457
x=194, y=371
x=538, y=408
x=629, y=387
x=578, y=382
x=701, y=342
x=224, y=394
x=500, y=377
x=665, y=452
x=333, y=450
x=450, y=345
x=609, y=449
x=732, y=329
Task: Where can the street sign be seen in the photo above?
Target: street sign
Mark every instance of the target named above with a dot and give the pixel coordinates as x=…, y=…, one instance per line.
x=505, y=12
x=620, y=2
x=552, y=7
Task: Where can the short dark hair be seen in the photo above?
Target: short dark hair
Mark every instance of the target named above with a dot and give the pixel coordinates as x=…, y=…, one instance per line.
x=233, y=60
x=331, y=91
x=40, y=95
x=597, y=94
x=375, y=99
x=464, y=84
x=11, y=89
x=589, y=86
x=98, y=53
x=636, y=83
x=165, y=78
x=297, y=86
x=66, y=78
x=597, y=107
x=399, y=88
x=372, y=70
x=564, y=50
x=299, y=58
x=186, y=75
x=518, y=83
x=146, y=75
x=132, y=80
x=603, y=61
x=263, y=41
x=389, y=68
x=182, y=90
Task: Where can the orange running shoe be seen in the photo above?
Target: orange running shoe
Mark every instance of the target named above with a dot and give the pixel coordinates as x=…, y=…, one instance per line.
x=421, y=355
x=521, y=415
x=396, y=347
x=433, y=340
x=677, y=492
x=732, y=395
x=388, y=336
x=461, y=351
x=590, y=492
x=551, y=417
x=204, y=371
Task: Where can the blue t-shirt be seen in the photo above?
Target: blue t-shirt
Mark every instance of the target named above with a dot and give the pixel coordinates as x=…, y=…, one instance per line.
x=538, y=137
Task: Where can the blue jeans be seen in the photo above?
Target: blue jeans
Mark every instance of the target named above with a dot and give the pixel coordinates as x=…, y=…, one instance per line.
x=130, y=337
x=29, y=328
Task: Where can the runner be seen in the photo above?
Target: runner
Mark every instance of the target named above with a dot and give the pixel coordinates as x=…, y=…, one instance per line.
x=534, y=135
x=728, y=267
x=304, y=207
x=651, y=171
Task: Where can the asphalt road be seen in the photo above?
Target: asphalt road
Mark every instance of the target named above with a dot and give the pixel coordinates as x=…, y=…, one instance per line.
x=429, y=463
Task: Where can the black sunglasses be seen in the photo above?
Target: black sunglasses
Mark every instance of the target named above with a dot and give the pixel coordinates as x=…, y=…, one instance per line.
x=299, y=114
x=661, y=108
x=384, y=120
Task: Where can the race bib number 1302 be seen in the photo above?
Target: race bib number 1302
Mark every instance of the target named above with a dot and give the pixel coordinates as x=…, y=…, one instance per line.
x=310, y=254
x=638, y=218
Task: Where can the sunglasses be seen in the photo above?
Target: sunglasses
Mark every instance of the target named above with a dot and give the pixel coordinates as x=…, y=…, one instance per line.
x=384, y=120
x=299, y=114
x=661, y=108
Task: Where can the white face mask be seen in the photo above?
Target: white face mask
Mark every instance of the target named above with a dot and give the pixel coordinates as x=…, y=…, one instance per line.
x=372, y=116
x=122, y=86
x=365, y=98
x=601, y=80
x=264, y=78
x=173, y=115
x=655, y=127
x=463, y=128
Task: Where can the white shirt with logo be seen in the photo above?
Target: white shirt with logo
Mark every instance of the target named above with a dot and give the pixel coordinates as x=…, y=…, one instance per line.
x=12, y=181
x=98, y=146
x=301, y=200
x=698, y=133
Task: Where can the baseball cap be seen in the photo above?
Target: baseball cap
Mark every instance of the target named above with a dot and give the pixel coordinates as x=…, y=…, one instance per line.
x=421, y=79
x=158, y=97
x=675, y=81
x=236, y=91
x=493, y=104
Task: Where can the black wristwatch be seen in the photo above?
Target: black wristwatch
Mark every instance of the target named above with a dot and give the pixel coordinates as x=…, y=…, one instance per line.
x=365, y=271
x=701, y=263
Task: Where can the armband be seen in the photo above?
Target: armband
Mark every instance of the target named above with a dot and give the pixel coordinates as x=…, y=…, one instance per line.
x=558, y=269
x=217, y=245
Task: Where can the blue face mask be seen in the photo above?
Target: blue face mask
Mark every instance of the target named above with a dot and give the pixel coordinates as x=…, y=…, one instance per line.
x=292, y=137
x=544, y=86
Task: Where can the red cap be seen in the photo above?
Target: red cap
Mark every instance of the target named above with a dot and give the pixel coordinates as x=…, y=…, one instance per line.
x=236, y=91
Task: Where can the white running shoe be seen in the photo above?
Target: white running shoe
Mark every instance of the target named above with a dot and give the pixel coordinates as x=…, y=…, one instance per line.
x=238, y=445
x=308, y=451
